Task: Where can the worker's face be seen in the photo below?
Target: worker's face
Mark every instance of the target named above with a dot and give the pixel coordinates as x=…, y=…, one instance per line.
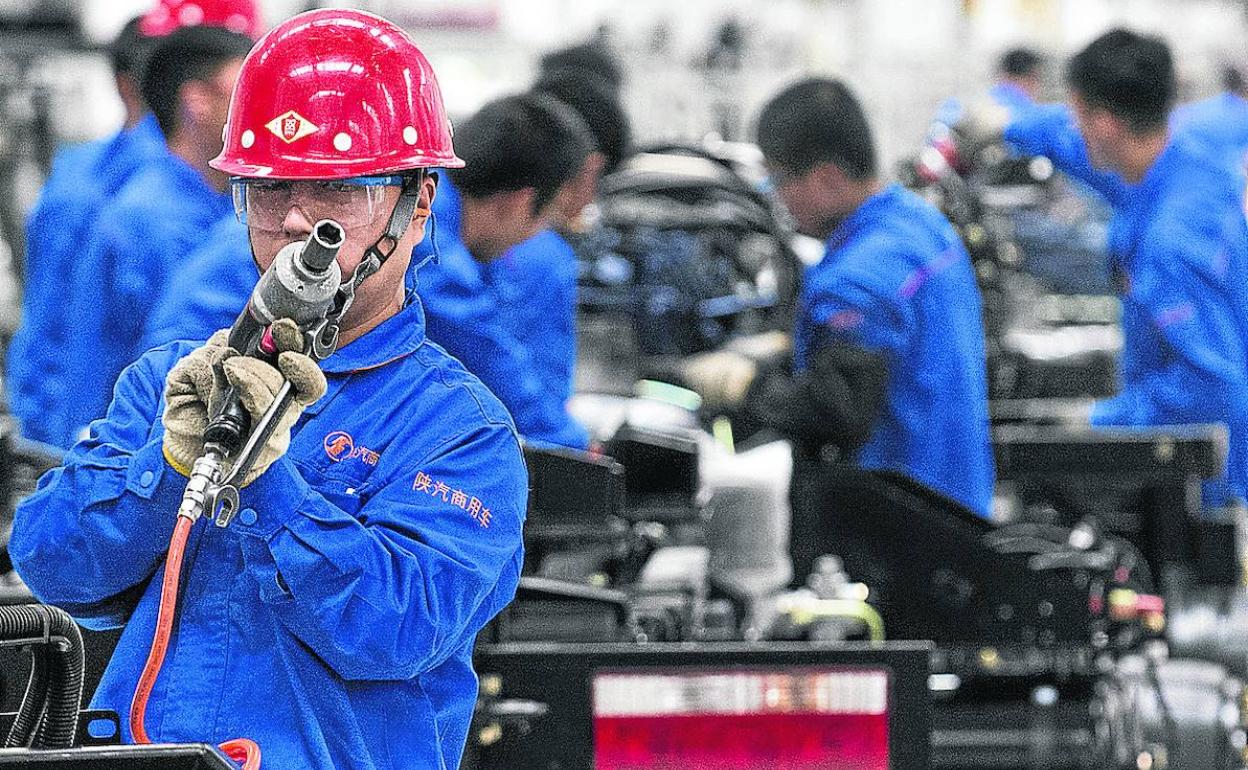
x=380, y=295
x=492, y=224
x=1102, y=132
x=577, y=193
x=813, y=197
x=1030, y=84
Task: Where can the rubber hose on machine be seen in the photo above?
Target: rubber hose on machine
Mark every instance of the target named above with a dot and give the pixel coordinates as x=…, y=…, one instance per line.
x=53, y=696
x=28, y=715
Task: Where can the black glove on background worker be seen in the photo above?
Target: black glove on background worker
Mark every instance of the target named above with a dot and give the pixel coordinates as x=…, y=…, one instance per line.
x=836, y=401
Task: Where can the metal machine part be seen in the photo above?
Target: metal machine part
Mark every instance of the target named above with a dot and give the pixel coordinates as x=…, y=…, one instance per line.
x=688, y=251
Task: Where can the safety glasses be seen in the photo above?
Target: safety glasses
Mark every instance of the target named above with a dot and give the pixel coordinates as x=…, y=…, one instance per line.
x=355, y=202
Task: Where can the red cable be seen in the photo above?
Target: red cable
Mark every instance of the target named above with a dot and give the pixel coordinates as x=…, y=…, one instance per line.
x=242, y=750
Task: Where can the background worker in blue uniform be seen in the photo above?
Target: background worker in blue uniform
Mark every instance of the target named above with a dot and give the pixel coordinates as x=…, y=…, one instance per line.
x=1061, y=232
x=158, y=217
x=1219, y=123
x=81, y=181
x=520, y=151
x=333, y=621
x=1017, y=87
x=888, y=345
x=535, y=280
x=1178, y=244
x=208, y=288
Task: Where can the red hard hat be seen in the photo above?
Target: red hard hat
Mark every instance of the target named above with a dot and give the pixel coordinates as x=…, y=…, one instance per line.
x=332, y=94
x=240, y=16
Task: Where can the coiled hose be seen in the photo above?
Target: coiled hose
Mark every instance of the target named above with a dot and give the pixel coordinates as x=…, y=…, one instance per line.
x=48, y=716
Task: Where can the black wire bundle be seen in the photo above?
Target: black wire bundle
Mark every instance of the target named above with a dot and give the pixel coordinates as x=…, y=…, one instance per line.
x=48, y=716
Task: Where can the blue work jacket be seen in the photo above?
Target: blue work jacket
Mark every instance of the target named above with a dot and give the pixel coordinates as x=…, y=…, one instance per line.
x=82, y=180
x=141, y=240
x=448, y=206
x=1178, y=247
x=465, y=317
x=1050, y=130
x=897, y=280
x=333, y=621
x=1220, y=124
x=208, y=292
x=534, y=286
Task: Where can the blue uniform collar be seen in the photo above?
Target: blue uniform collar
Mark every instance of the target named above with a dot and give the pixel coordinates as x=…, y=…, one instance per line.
x=191, y=182
x=1160, y=170
x=1131, y=218
x=397, y=336
x=1232, y=99
x=864, y=214
x=148, y=130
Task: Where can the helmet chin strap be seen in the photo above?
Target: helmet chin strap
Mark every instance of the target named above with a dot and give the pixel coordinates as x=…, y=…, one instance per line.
x=407, y=206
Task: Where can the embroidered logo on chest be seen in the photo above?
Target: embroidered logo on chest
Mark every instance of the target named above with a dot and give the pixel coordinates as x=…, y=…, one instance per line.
x=340, y=446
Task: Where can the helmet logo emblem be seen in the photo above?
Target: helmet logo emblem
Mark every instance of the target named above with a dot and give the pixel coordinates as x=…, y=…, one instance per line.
x=291, y=126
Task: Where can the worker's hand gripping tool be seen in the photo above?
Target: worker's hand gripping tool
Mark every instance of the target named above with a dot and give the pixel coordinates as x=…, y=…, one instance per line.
x=303, y=284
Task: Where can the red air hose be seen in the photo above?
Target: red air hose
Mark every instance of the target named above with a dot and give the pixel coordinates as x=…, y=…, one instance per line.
x=242, y=750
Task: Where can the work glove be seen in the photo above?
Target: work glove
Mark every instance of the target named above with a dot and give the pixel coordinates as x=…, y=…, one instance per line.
x=723, y=377
x=257, y=383
x=189, y=389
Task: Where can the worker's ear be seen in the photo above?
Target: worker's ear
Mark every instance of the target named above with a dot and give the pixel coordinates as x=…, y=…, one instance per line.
x=513, y=205
x=424, y=203
x=195, y=98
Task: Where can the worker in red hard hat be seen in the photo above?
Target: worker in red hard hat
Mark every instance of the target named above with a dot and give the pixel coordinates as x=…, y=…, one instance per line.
x=333, y=620
x=82, y=181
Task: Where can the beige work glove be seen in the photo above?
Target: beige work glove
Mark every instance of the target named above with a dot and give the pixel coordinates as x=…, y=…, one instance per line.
x=257, y=383
x=189, y=388
x=762, y=347
x=723, y=377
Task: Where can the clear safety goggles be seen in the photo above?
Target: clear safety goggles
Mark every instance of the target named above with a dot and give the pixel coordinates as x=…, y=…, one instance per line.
x=355, y=202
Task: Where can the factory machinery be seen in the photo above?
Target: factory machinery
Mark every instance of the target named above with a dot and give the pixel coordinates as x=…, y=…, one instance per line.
x=658, y=624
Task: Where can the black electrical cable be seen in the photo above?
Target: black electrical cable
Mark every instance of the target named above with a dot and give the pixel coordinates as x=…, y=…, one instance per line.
x=28, y=715
x=59, y=727
x=48, y=716
x=1163, y=707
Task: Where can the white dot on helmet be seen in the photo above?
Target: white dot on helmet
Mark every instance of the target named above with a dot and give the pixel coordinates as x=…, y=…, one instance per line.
x=191, y=14
x=342, y=142
x=409, y=135
x=247, y=139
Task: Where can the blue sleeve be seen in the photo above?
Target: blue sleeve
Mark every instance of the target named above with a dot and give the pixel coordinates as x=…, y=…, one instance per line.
x=110, y=292
x=397, y=588
x=1049, y=130
x=1202, y=370
x=54, y=231
x=98, y=527
x=462, y=316
x=852, y=310
x=206, y=295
